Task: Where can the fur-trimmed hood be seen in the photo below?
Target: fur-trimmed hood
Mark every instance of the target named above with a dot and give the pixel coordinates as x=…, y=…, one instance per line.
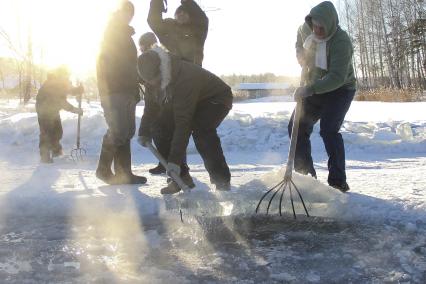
x=154, y=61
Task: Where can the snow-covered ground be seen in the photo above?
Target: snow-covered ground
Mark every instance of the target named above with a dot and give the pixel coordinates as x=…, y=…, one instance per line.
x=58, y=223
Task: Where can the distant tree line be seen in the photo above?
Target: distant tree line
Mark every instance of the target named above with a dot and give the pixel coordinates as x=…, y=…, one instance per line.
x=389, y=37
x=233, y=80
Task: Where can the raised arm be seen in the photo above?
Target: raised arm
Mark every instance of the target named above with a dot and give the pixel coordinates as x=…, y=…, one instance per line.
x=155, y=18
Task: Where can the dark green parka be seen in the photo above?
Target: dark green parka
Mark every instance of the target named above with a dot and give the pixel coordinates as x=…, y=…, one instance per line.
x=340, y=71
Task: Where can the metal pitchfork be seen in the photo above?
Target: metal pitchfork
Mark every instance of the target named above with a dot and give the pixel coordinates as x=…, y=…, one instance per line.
x=78, y=153
x=176, y=178
x=287, y=182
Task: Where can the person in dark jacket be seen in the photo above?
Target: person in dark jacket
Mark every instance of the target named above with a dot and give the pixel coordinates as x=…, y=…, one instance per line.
x=118, y=85
x=161, y=118
x=50, y=99
x=185, y=35
x=199, y=101
x=325, y=52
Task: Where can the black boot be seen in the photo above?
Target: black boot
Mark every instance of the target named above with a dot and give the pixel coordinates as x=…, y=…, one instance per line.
x=186, y=178
x=171, y=188
x=57, y=151
x=103, y=172
x=123, y=167
x=158, y=170
x=223, y=186
x=342, y=186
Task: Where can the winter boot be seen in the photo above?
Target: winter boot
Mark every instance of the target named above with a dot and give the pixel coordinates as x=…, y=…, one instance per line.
x=343, y=186
x=57, y=151
x=158, y=170
x=103, y=172
x=45, y=157
x=123, y=167
x=186, y=178
x=223, y=186
x=171, y=188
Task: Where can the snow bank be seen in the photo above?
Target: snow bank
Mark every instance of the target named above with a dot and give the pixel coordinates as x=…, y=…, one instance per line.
x=249, y=127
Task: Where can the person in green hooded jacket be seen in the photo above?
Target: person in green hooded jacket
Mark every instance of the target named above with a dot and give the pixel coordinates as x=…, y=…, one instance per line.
x=327, y=89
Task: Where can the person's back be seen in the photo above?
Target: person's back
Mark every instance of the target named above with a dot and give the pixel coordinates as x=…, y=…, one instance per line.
x=207, y=84
x=183, y=36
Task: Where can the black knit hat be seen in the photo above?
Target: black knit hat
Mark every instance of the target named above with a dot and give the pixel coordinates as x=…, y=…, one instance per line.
x=149, y=65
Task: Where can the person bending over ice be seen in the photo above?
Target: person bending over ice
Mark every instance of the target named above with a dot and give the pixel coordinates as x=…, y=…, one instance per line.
x=199, y=101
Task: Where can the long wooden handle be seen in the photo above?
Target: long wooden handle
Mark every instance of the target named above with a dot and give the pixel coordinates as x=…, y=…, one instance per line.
x=79, y=99
x=293, y=141
x=163, y=162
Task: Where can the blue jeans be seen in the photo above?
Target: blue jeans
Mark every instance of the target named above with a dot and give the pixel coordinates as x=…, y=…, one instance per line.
x=330, y=108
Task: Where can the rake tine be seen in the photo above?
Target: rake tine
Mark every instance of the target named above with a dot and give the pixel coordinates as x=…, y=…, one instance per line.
x=281, y=198
x=301, y=199
x=78, y=154
x=292, y=202
x=73, y=156
x=273, y=196
x=265, y=194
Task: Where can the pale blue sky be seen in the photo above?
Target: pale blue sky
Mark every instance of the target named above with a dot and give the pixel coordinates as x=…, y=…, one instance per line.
x=245, y=36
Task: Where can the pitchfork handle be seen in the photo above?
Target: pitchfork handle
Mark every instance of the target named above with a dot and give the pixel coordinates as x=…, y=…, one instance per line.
x=79, y=98
x=293, y=140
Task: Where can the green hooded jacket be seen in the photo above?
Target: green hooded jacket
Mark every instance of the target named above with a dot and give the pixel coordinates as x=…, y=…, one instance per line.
x=340, y=71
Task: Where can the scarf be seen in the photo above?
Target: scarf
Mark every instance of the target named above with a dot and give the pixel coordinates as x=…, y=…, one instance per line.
x=321, y=49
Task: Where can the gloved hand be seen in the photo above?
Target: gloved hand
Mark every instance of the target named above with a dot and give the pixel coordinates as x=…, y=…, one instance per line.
x=172, y=167
x=144, y=140
x=302, y=93
x=78, y=111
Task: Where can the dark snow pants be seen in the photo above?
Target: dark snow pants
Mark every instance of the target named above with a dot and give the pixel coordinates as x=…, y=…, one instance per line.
x=206, y=120
x=162, y=132
x=330, y=108
x=50, y=133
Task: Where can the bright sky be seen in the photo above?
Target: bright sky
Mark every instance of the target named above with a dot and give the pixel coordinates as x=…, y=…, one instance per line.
x=245, y=37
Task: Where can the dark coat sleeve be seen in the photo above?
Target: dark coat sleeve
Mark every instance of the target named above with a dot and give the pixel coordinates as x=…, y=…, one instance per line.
x=198, y=19
x=199, y=27
x=161, y=27
x=150, y=113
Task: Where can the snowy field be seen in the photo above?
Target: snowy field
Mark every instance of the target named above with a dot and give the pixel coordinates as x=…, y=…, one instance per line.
x=59, y=224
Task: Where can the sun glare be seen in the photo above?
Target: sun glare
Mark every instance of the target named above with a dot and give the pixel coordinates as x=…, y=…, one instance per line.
x=68, y=32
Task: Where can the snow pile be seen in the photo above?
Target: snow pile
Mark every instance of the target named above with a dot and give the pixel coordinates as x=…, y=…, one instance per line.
x=249, y=127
